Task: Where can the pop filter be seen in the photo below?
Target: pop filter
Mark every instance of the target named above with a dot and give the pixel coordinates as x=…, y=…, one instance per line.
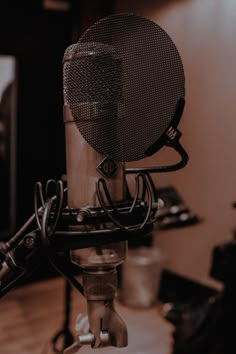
x=149, y=71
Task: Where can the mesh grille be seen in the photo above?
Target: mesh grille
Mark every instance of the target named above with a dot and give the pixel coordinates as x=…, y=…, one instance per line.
x=92, y=73
x=138, y=81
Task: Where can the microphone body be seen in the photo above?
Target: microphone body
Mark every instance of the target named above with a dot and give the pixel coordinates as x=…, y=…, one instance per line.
x=93, y=94
x=82, y=169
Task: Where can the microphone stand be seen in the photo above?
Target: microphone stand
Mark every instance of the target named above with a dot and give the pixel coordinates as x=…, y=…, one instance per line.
x=24, y=252
x=65, y=332
x=174, y=221
x=126, y=220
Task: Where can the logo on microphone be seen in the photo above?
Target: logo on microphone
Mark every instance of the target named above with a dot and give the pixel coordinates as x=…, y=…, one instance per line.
x=107, y=167
x=173, y=134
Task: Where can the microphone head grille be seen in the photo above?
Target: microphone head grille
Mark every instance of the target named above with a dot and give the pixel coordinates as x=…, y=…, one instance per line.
x=91, y=73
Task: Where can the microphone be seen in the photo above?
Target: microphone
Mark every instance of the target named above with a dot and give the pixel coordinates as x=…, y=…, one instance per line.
x=92, y=76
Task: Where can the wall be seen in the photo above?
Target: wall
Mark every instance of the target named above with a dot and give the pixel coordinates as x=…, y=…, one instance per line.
x=204, y=32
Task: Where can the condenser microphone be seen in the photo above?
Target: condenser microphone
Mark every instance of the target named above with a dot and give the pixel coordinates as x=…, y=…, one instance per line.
x=92, y=77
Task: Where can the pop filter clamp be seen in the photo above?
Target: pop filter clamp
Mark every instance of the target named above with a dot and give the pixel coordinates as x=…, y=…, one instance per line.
x=55, y=229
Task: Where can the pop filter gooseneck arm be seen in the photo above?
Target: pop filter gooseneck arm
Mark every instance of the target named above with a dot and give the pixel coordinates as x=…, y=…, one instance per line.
x=158, y=169
x=170, y=138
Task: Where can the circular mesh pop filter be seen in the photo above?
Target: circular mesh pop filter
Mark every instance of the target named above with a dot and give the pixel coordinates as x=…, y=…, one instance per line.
x=152, y=85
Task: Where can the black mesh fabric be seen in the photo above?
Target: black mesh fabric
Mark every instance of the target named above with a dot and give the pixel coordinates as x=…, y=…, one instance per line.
x=139, y=77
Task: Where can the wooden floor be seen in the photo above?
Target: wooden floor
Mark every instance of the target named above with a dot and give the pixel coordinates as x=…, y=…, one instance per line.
x=31, y=315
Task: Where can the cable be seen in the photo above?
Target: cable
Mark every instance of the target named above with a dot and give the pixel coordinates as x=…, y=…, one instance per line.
x=38, y=192
x=136, y=194
x=65, y=332
x=46, y=233
x=149, y=202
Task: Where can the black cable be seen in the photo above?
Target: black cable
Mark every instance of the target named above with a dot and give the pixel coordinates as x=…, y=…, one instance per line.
x=149, y=202
x=38, y=192
x=67, y=276
x=46, y=230
x=46, y=233
x=65, y=332
x=136, y=194
x=46, y=243
x=44, y=224
x=58, y=205
x=67, y=303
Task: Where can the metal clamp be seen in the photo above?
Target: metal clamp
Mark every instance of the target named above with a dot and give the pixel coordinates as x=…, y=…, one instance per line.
x=87, y=339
